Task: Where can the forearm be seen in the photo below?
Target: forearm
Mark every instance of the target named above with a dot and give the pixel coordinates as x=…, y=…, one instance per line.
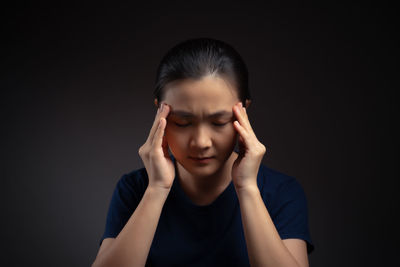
x=264, y=245
x=131, y=247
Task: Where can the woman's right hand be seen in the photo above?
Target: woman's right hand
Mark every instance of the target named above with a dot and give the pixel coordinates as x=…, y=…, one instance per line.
x=154, y=153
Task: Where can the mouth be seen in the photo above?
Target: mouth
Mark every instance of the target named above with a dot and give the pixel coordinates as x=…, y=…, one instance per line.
x=202, y=159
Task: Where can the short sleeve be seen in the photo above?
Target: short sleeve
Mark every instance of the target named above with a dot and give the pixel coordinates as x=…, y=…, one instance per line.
x=125, y=198
x=290, y=213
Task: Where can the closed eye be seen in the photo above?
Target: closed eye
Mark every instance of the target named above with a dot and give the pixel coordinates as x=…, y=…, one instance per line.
x=220, y=124
x=187, y=124
x=182, y=125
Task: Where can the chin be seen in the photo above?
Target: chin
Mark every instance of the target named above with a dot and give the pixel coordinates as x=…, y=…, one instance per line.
x=200, y=170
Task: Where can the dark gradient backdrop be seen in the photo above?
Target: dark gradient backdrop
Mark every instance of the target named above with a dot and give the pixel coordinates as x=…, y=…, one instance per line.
x=76, y=104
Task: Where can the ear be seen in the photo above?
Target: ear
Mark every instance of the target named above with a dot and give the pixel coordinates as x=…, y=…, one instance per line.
x=248, y=101
x=156, y=102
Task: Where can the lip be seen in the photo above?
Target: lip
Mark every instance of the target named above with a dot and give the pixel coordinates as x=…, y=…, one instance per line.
x=203, y=160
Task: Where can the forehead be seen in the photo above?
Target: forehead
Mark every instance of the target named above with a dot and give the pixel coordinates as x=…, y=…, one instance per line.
x=209, y=93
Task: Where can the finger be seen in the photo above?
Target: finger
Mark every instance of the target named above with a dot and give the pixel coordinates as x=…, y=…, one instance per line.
x=247, y=140
x=241, y=115
x=244, y=135
x=159, y=134
x=155, y=124
x=246, y=119
x=162, y=112
x=242, y=145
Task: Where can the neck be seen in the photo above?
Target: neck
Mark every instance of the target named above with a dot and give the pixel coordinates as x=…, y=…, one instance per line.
x=206, y=187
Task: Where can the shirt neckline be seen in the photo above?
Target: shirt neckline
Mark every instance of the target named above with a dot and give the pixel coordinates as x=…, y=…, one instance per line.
x=186, y=201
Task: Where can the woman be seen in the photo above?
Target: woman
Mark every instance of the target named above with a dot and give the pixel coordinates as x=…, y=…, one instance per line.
x=199, y=201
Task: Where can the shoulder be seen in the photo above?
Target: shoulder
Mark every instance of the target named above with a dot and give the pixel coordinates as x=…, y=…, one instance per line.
x=286, y=202
x=135, y=177
x=273, y=180
x=132, y=183
x=276, y=186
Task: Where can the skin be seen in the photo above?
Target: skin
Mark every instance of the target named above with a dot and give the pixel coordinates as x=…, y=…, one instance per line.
x=201, y=137
x=198, y=134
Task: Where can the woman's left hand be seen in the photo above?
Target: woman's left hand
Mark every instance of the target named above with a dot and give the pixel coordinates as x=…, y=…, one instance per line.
x=251, y=151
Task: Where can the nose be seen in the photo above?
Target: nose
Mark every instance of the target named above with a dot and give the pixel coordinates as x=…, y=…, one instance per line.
x=200, y=138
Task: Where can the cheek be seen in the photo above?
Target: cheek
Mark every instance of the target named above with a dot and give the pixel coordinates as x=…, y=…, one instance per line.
x=174, y=138
x=168, y=135
x=231, y=131
x=227, y=138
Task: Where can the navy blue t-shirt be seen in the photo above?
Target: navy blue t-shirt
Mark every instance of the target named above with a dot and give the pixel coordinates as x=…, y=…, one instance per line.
x=210, y=235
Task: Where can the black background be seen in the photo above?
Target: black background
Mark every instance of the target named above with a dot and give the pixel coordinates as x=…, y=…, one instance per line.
x=77, y=103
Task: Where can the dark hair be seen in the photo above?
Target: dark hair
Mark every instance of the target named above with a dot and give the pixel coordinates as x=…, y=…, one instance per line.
x=196, y=58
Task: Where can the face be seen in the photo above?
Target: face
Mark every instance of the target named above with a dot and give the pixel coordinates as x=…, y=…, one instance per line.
x=200, y=123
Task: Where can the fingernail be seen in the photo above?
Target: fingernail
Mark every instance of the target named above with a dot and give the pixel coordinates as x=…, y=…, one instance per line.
x=240, y=104
x=162, y=106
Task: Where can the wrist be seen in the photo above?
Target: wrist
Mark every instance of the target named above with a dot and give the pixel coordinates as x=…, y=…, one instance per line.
x=247, y=189
x=158, y=190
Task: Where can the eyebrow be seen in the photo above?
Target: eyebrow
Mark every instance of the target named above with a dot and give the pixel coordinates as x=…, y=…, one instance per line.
x=185, y=114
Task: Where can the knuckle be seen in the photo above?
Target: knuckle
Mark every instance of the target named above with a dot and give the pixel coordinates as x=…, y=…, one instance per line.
x=263, y=149
x=143, y=150
x=259, y=150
